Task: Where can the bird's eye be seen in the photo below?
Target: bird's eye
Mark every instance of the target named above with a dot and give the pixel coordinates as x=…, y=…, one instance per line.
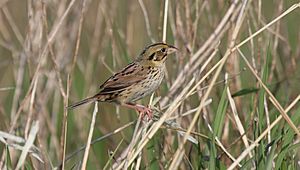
x=163, y=50
x=151, y=57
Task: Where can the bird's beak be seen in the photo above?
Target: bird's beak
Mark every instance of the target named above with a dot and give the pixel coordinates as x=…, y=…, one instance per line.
x=172, y=49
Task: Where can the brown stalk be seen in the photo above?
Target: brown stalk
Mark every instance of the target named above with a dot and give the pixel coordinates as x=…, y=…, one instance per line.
x=263, y=134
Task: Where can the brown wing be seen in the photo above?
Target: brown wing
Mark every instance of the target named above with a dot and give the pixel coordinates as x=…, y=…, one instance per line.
x=128, y=76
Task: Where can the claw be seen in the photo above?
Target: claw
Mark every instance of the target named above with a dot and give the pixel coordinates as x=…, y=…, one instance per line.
x=145, y=111
x=142, y=110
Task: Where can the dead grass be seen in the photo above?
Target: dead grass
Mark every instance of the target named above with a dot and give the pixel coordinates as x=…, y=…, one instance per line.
x=230, y=98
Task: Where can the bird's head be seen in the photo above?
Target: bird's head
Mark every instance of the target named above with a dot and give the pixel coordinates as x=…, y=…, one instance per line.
x=156, y=54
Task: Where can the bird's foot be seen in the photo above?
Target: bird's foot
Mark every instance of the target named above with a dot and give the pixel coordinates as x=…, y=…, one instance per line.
x=143, y=110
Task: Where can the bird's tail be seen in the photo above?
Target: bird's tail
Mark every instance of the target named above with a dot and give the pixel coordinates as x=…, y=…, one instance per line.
x=82, y=102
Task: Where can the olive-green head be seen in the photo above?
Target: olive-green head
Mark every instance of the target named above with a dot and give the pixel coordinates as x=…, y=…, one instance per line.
x=156, y=54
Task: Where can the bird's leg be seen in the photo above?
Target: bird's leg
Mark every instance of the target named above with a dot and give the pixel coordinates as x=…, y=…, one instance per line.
x=141, y=109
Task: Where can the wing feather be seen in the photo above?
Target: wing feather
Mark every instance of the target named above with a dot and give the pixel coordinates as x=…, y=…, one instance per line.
x=128, y=76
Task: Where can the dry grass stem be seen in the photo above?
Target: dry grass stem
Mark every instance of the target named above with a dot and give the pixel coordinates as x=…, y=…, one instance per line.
x=219, y=143
x=237, y=119
x=179, y=153
x=63, y=138
x=88, y=143
x=53, y=53
x=164, y=38
x=29, y=143
x=148, y=27
x=276, y=103
x=262, y=135
x=153, y=129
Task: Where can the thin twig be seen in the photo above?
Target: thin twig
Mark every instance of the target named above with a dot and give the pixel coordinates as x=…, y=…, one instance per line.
x=6, y=88
x=52, y=36
x=135, y=137
x=148, y=28
x=179, y=153
x=237, y=118
x=33, y=94
x=63, y=141
x=97, y=140
x=28, y=144
x=262, y=135
x=276, y=103
x=88, y=143
x=219, y=142
x=164, y=38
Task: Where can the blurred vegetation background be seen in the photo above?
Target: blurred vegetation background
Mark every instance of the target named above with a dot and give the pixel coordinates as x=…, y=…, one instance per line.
x=57, y=52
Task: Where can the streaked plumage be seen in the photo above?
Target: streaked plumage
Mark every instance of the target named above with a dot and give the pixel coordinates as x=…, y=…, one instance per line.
x=137, y=80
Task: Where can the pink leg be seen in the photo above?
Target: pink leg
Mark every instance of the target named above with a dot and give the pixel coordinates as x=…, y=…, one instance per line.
x=141, y=109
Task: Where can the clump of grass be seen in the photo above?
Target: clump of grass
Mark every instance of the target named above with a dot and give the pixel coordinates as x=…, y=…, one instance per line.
x=232, y=89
